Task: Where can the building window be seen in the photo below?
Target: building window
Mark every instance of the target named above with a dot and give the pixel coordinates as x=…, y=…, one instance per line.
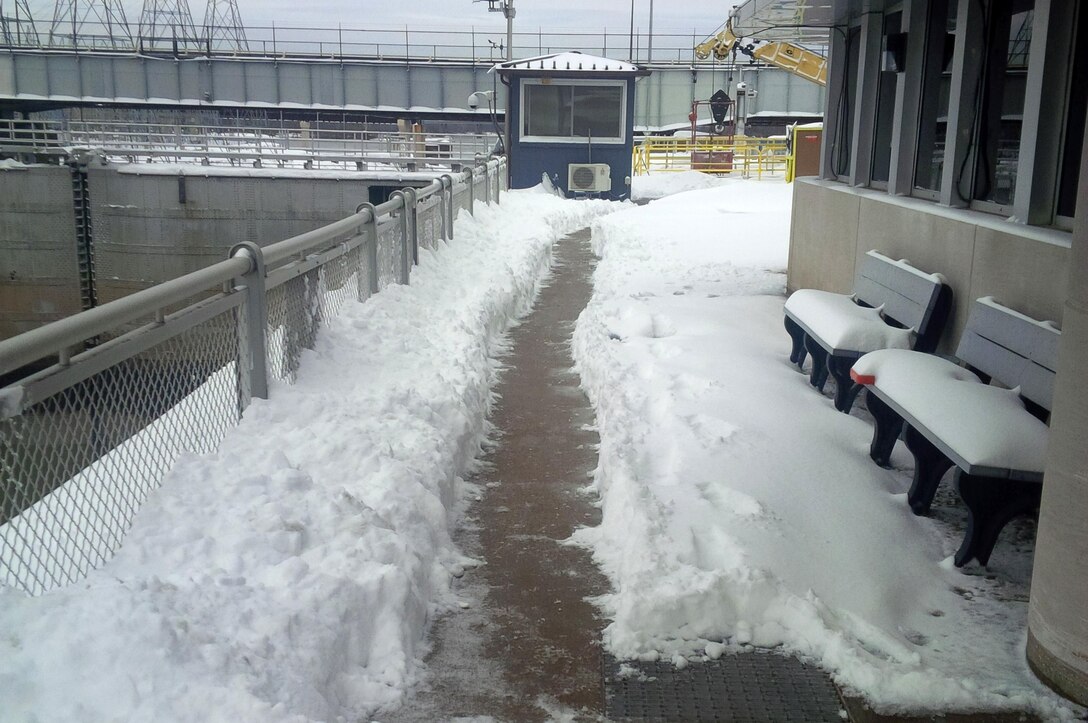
x=936, y=86
x=885, y=101
x=1074, y=120
x=567, y=111
x=841, y=149
x=1005, y=68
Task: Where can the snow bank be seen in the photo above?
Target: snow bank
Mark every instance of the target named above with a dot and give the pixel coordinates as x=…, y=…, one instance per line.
x=290, y=576
x=654, y=186
x=739, y=508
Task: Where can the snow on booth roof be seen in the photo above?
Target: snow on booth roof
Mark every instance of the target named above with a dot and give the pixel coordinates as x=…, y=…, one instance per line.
x=570, y=61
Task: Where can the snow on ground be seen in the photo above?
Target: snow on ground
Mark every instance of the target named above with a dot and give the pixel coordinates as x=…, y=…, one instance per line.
x=739, y=507
x=657, y=185
x=290, y=576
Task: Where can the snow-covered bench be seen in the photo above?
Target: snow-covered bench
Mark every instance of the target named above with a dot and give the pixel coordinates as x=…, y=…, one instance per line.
x=994, y=435
x=894, y=306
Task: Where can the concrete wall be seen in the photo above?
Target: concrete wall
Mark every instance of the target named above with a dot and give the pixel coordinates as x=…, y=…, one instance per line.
x=39, y=272
x=143, y=231
x=145, y=234
x=1024, y=267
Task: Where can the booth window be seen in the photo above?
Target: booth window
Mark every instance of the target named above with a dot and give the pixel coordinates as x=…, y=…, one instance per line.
x=563, y=111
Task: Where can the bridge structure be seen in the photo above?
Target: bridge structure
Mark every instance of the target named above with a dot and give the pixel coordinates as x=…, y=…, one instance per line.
x=371, y=74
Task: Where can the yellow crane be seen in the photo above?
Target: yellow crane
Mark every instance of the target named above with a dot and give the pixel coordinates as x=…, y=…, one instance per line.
x=805, y=63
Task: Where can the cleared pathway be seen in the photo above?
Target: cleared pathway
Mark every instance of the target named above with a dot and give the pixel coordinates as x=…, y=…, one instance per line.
x=528, y=646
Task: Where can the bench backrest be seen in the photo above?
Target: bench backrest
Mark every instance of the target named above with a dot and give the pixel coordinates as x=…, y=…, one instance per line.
x=909, y=296
x=1014, y=349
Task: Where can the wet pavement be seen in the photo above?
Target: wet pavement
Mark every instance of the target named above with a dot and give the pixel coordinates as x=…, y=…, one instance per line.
x=527, y=648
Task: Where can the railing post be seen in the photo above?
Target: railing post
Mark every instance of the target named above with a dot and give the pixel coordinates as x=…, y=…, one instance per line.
x=487, y=183
x=447, y=209
x=372, y=248
x=472, y=190
x=406, y=232
x=253, y=346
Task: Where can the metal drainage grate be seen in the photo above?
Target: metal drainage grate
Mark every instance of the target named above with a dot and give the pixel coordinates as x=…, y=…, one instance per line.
x=761, y=687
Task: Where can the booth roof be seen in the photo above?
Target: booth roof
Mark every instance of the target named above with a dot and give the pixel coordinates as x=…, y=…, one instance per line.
x=568, y=62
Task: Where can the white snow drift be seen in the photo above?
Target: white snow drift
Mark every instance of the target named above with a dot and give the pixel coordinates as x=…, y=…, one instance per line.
x=739, y=507
x=290, y=577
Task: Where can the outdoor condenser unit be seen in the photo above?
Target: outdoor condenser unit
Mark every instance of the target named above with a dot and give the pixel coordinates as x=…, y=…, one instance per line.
x=589, y=177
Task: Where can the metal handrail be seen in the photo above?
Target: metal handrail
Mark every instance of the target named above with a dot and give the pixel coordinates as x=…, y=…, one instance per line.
x=136, y=141
x=467, y=44
x=61, y=335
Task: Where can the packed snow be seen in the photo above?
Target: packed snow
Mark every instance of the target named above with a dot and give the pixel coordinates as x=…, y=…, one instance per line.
x=986, y=426
x=291, y=575
x=842, y=324
x=739, y=508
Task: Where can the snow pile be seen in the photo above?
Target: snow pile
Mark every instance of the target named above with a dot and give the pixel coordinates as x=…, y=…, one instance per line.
x=739, y=508
x=654, y=186
x=290, y=576
x=842, y=324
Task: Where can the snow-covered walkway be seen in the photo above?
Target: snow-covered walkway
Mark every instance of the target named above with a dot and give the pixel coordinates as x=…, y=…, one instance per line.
x=292, y=576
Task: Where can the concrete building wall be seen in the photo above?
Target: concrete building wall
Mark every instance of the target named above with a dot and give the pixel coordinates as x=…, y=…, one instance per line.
x=39, y=272
x=1024, y=267
x=145, y=233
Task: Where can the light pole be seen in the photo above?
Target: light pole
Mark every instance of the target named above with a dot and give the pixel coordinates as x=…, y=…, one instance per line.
x=506, y=7
x=650, y=39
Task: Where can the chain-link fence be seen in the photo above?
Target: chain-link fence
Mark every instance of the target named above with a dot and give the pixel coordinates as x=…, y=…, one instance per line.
x=84, y=440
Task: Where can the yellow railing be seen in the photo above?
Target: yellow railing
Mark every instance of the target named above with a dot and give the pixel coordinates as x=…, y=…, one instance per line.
x=743, y=155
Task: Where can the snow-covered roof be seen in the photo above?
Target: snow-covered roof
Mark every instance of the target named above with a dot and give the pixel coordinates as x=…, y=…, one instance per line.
x=573, y=61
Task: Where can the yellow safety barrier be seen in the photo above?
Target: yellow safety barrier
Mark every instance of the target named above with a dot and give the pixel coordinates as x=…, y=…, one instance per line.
x=744, y=155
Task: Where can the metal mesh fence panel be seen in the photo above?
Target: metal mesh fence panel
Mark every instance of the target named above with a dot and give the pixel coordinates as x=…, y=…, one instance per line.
x=340, y=282
x=294, y=316
x=429, y=222
x=461, y=199
x=390, y=251
x=75, y=467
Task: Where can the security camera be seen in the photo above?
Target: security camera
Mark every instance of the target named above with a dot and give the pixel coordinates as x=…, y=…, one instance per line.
x=473, y=102
x=741, y=87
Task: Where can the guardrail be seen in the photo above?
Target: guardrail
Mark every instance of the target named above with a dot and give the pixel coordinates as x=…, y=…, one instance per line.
x=747, y=156
x=287, y=146
x=137, y=381
x=405, y=44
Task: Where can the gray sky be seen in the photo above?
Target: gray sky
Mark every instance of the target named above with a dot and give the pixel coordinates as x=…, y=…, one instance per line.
x=682, y=19
x=587, y=15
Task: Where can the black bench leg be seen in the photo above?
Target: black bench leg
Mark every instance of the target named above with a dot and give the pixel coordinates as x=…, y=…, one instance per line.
x=991, y=503
x=845, y=389
x=797, y=334
x=817, y=377
x=930, y=464
x=886, y=429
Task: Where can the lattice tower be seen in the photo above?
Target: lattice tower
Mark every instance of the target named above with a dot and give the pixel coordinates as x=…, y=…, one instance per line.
x=17, y=24
x=223, y=27
x=164, y=23
x=90, y=23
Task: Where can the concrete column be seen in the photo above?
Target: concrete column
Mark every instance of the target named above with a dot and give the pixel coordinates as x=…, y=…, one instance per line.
x=1057, y=648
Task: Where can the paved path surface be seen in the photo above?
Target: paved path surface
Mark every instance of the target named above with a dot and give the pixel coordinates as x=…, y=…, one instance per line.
x=527, y=648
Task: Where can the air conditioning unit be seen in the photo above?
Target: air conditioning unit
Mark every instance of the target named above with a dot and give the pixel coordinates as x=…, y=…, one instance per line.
x=589, y=177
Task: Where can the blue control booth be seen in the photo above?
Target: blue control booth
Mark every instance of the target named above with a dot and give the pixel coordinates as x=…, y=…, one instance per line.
x=571, y=116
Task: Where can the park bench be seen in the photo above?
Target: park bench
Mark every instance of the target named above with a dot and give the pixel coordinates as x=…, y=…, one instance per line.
x=951, y=415
x=894, y=305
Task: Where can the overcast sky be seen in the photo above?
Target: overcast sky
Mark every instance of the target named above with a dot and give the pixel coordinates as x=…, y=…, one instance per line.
x=589, y=15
